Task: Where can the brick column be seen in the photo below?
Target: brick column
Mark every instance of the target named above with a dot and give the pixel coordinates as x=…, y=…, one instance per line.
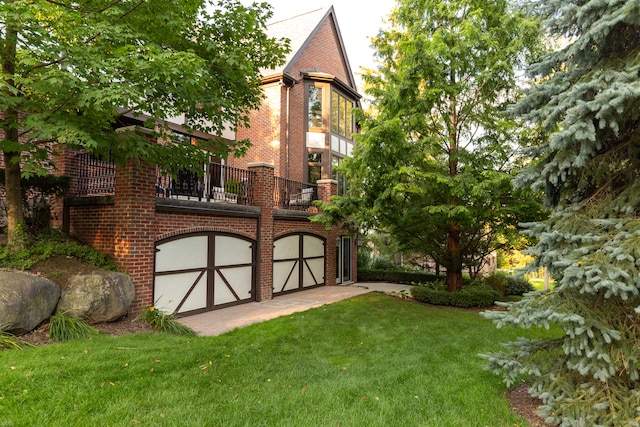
x=326, y=189
x=135, y=229
x=262, y=190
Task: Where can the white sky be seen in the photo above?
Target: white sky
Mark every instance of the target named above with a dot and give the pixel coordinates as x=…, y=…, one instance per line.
x=358, y=20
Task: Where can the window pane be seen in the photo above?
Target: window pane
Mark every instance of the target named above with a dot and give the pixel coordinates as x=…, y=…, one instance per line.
x=349, y=120
x=335, y=143
x=343, y=115
x=315, y=107
x=335, y=111
x=315, y=158
x=315, y=173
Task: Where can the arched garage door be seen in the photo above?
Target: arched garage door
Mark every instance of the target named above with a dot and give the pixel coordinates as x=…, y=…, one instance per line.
x=298, y=262
x=201, y=272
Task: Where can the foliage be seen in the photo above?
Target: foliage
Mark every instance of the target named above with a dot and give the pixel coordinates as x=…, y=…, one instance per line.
x=37, y=192
x=587, y=96
x=518, y=285
x=233, y=186
x=383, y=263
x=75, y=73
x=469, y=296
x=365, y=257
x=382, y=363
x=395, y=276
x=497, y=281
x=48, y=243
x=164, y=322
x=9, y=341
x=63, y=327
x=435, y=162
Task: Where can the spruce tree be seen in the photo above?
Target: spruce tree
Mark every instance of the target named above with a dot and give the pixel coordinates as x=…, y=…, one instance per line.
x=587, y=97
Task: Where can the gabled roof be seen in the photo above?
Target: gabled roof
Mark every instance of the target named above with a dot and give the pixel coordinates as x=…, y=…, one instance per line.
x=300, y=30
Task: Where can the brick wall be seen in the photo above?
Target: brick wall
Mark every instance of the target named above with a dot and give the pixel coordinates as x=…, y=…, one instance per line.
x=93, y=225
x=324, y=54
x=128, y=225
x=267, y=132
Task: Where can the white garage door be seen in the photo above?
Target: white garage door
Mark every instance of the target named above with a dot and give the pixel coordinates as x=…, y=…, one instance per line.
x=201, y=272
x=298, y=262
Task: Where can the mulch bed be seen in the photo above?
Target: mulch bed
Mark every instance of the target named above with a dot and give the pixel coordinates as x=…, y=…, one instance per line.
x=40, y=336
x=526, y=406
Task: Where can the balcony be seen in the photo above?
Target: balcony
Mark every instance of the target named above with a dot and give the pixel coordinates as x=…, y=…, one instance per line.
x=216, y=184
x=294, y=195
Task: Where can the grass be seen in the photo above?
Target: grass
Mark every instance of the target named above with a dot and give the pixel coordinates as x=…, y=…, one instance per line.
x=372, y=360
x=538, y=283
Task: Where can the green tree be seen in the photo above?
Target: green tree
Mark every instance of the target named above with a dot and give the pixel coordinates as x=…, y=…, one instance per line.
x=588, y=99
x=435, y=161
x=70, y=70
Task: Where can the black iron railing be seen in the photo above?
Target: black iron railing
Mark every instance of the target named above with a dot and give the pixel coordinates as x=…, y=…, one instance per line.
x=217, y=183
x=95, y=176
x=294, y=195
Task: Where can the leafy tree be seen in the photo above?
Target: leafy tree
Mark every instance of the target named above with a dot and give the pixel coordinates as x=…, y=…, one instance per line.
x=71, y=70
x=588, y=99
x=435, y=162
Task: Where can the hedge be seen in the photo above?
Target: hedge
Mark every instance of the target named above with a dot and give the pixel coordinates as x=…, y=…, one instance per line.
x=409, y=277
x=469, y=297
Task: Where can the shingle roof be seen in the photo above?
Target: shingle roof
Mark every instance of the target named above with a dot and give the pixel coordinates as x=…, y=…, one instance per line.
x=299, y=29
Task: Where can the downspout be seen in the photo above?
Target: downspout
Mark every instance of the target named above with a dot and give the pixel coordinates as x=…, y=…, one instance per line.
x=287, y=129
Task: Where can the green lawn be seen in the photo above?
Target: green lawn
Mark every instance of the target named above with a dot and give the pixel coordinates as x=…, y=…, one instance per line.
x=373, y=360
x=538, y=283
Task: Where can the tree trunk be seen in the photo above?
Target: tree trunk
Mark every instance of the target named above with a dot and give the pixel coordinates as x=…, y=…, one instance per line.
x=10, y=126
x=454, y=250
x=454, y=269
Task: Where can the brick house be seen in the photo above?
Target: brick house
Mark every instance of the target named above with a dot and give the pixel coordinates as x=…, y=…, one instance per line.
x=240, y=230
x=305, y=126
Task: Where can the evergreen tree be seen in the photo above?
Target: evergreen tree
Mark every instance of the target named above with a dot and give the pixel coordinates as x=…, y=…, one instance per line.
x=433, y=166
x=587, y=97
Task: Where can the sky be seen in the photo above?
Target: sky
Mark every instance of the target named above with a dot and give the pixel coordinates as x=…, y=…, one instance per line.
x=358, y=20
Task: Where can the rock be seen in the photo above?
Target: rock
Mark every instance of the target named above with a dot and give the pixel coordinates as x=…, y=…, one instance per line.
x=103, y=296
x=25, y=301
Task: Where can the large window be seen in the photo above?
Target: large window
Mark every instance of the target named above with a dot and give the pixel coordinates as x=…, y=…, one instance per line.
x=315, y=167
x=315, y=107
x=341, y=115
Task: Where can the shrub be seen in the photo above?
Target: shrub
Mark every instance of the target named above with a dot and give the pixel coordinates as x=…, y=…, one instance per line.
x=471, y=296
x=37, y=192
x=48, y=243
x=164, y=322
x=63, y=327
x=382, y=263
x=364, y=258
x=409, y=277
x=518, y=285
x=497, y=281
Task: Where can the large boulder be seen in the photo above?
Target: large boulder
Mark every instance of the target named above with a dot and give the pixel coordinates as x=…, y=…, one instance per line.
x=103, y=296
x=25, y=301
